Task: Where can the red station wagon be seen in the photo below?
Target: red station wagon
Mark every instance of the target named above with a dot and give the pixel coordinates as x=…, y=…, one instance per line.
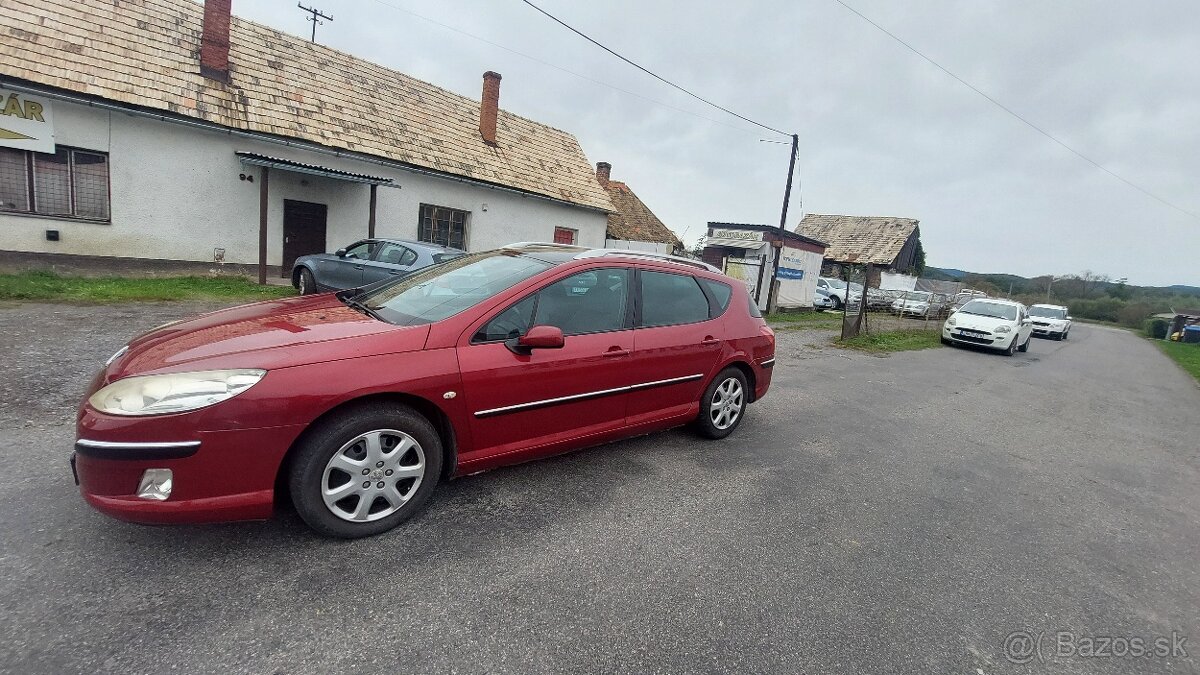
x=357, y=404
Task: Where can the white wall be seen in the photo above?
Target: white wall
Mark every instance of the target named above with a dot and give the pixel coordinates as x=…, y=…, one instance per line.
x=891, y=281
x=176, y=194
x=627, y=245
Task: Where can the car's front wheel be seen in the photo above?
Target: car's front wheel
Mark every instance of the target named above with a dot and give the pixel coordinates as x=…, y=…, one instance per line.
x=723, y=405
x=366, y=470
x=306, y=284
x=1012, y=347
x=1025, y=347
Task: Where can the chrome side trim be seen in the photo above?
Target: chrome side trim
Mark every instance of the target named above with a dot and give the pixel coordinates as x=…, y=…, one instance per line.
x=767, y=363
x=108, y=445
x=579, y=397
x=136, y=451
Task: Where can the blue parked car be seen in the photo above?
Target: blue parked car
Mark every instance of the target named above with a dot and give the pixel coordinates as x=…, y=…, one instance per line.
x=366, y=262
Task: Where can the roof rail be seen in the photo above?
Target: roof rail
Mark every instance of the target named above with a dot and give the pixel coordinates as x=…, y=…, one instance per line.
x=547, y=244
x=646, y=255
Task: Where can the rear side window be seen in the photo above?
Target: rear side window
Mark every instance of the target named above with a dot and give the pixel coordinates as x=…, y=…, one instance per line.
x=720, y=292
x=754, y=310
x=672, y=299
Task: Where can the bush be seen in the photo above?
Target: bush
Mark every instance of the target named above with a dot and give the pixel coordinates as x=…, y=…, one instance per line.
x=1156, y=328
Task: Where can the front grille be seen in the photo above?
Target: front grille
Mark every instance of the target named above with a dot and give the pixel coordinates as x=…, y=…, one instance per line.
x=1040, y=323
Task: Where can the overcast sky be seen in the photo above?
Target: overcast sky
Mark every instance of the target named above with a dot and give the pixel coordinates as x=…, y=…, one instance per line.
x=882, y=132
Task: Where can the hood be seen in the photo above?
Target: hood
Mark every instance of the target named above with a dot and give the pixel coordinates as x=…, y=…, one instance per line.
x=983, y=323
x=271, y=334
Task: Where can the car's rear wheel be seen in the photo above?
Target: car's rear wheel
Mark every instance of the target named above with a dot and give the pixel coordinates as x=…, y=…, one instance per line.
x=305, y=283
x=723, y=405
x=365, y=471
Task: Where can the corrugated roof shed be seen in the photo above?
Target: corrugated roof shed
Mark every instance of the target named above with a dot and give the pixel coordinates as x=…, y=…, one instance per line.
x=144, y=53
x=633, y=220
x=860, y=239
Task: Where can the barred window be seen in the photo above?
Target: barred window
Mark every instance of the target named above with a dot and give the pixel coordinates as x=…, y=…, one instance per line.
x=70, y=183
x=443, y=226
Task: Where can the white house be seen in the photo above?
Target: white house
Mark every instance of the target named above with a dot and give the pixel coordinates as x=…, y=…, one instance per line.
x=171, y=130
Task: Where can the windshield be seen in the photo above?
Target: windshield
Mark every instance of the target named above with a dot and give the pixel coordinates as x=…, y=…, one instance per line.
x=918, y=296
x=1048, y=312
x=995, y=310
x=443, y=290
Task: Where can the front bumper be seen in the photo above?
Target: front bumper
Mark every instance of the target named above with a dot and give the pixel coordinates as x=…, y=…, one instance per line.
x=217, y=475
x=978, y=338
x=1046, y=331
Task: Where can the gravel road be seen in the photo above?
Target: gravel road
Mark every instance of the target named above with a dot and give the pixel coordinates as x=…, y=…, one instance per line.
x=873, y=514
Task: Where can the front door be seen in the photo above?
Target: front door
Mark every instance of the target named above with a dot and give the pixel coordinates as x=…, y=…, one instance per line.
x=545, y=400
x=303, y=231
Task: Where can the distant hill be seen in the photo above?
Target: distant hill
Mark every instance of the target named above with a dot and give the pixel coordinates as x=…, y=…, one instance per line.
x=1187, y=290
x=1020, y=284
x=943, y=274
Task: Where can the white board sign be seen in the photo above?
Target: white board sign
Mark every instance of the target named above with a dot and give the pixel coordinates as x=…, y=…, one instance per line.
x=26, y=122
x=748, y=235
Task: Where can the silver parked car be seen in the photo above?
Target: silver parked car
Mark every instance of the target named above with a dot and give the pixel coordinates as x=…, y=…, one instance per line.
x=366, y=262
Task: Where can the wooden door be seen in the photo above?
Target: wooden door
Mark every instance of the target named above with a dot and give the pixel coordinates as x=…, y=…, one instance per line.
x=303, y=231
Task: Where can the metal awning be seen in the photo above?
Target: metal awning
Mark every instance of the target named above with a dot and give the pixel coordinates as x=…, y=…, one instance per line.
x=312, y=169
x=749, y=244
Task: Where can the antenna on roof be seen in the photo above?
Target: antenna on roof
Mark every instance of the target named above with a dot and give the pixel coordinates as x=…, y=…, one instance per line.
x=316, y=17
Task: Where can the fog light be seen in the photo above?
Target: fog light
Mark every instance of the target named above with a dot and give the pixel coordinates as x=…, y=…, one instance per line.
x=155, y=485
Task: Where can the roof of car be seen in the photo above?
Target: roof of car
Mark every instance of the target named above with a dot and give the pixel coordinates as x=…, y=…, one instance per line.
x=560, y=253
x=999, y=301
x=1042, y=304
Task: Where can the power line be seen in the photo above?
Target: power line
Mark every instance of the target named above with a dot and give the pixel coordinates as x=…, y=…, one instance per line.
x=1010, y=111
x=559, y=68
x=651, y=73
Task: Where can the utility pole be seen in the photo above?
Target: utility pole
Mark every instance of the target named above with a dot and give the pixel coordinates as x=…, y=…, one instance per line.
x=316, y=17
x=787, y=195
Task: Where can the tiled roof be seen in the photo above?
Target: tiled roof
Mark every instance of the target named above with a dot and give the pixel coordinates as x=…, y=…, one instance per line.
x=859, y=239
x=633, y=220
x=145, y=53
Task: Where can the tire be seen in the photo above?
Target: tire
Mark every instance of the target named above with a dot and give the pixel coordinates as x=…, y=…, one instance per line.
x=1012, y=348
x=306, y=284
x=1024, y=347
x=405, y=444
x=1066, y=334
x=729, y=385
x=837, y=302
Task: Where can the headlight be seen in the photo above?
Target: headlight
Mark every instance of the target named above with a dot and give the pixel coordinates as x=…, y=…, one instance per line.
x=173, y=392
x=950, y=321
x=1003, y=329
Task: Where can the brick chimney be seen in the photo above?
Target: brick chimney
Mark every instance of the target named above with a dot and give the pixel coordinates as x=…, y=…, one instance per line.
x=214, y=44
x=489, y=107
x=603, y=169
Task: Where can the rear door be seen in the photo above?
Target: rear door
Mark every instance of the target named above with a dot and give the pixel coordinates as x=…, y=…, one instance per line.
x=542, y=401
x=390, y=260
x=676, y=345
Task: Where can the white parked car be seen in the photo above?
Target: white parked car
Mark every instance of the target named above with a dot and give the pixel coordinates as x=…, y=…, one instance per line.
x=836, y=289
x=993, y=323
x=1050, y=321
x=915, y=303
x=821, y=299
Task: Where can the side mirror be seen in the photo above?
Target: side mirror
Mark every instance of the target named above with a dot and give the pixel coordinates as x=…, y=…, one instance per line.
x=341, y=253
x=538, y=337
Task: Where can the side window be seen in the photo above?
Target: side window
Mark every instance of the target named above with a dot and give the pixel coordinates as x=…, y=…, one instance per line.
x=754, y=310
x=360, y=251
x=672, y=299
x=512, y=322
x=720, y=292
x=589, y=302
x=395, y=254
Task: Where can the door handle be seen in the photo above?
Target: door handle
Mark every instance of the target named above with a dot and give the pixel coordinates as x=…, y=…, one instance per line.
x=709, y=340
x=358, y=267
x=616, y=351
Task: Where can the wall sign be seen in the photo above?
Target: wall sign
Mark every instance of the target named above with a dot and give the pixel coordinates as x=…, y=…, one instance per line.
x=26, y=122
x=789, y=273
x=748, y=235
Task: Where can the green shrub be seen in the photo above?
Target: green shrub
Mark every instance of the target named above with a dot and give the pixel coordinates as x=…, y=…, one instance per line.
x=1156, y=328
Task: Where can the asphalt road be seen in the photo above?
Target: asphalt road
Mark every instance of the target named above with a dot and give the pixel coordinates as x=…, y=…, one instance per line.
x=899, y=514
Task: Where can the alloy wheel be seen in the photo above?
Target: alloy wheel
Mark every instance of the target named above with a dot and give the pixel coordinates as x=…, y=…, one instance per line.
x=373, y=475
x=726, y=404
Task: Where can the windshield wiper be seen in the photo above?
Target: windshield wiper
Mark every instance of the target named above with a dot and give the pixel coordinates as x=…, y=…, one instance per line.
x=355, y=304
